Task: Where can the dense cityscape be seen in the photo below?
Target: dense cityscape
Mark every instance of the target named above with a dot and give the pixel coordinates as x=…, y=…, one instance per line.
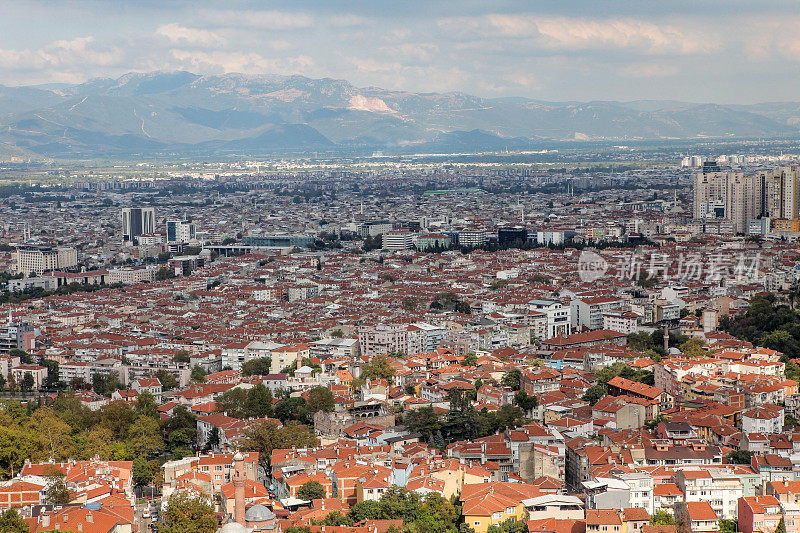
x=301, y=266
x=427, y=348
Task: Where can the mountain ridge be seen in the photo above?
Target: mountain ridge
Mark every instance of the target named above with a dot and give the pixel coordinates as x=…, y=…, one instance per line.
x=182, y=112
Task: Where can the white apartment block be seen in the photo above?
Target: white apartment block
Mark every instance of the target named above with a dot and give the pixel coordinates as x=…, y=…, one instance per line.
x=558, y=317
x=131, y=275
x=471, y=238
x=589, y=312
x=398, y=240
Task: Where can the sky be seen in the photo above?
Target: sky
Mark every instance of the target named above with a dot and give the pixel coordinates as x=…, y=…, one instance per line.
x=721, y=51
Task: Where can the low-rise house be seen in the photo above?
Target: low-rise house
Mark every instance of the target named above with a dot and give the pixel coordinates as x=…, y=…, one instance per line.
x=761, y=514
x=696, y=517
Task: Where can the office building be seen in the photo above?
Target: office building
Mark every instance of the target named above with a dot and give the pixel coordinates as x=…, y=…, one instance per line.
x=398, y=240
x=512, y=234
x=137, y=221
x=181, y=231
x=39, y=259
x=471, y=238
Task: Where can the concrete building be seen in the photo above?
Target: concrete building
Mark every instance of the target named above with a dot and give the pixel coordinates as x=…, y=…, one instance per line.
x=398, y=240
x=471, y=238
x=39, y=259
x=181, y=231
x=137, y=221
x=588, y=312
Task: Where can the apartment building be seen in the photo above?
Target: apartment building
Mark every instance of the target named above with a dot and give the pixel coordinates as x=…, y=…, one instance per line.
x=588, y=311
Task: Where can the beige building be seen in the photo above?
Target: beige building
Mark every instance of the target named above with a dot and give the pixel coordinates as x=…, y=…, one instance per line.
x=40, y=259
x=781, y=192
x=740, y=198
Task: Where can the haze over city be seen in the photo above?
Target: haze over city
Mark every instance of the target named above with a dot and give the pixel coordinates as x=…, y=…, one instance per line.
x=715, y=51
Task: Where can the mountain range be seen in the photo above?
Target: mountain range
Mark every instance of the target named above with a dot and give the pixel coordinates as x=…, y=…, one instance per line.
x=186, y=114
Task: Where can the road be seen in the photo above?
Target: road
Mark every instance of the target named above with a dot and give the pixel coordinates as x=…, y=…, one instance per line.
x=144, y=525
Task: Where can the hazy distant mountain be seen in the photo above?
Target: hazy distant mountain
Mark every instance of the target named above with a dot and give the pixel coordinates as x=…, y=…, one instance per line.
x=188, y=114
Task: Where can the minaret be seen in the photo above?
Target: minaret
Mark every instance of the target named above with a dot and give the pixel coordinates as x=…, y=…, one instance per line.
x=238, y=489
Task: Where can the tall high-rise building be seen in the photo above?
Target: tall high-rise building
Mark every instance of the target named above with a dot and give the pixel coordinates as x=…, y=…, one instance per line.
x=137, y=221
x=710, y=189
x=743, y=201
x=741, y=198
x=781, y=193
x=179, y=231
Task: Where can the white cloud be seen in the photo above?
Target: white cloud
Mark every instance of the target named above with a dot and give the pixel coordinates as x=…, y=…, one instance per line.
x=769, y=38
x=347, y=21
x=648, y=70
x=78, y=52
x=229, y=62
x=265, y=20
x=177, y=33
x=575, y=34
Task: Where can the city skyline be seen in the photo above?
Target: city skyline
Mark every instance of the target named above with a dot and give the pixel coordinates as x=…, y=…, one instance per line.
x=712, y=52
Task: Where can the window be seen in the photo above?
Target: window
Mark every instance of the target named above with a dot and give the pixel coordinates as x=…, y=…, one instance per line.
x=477, y=522
x=497, y=515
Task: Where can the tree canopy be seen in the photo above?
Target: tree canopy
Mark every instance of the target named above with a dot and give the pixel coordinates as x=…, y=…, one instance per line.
x=188, y=514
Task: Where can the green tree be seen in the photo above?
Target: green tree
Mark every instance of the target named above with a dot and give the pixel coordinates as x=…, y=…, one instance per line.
x=168, y=381
x=117, y=416
x=232, y=402
x=27, y=382
x=513, y=379
x=508, y=526
x=292, y=408
x=728, y=526
x=470, y=359
x=57, y=492
x=662, y=518
x=256, y=367
x=198, y=373
x=164, y=273
x=693, y=348
x=335, y=518
x=366, y=510
x=180, y=429
x=594, y=393
x=182, y=356
x=640, y=341
x=12, y=522
x=782, y=341
x=739, y=457
x=377, y=368
x=142, y=472
x=781, y=526
x=146, y=405
x=525, y=402
x=267, y=436
x=424, y=421
x=188, y=514
x=320, y=399
x=144, y=437
x=311, y=490
x=259, y=402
